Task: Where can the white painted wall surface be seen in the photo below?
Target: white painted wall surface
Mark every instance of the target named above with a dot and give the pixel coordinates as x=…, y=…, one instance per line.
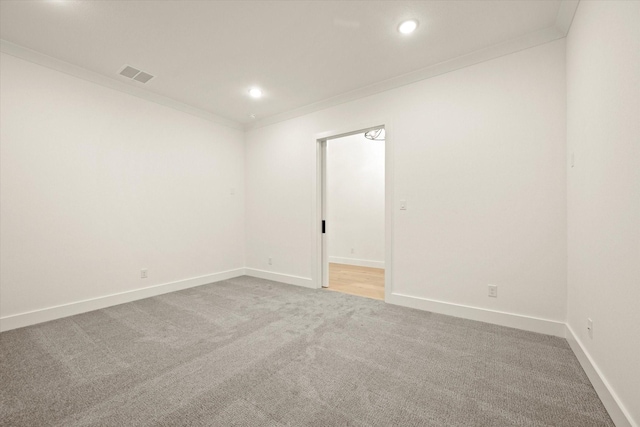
x=97, y=184
x=603, y=129
x=355, y=201
x=479, y=155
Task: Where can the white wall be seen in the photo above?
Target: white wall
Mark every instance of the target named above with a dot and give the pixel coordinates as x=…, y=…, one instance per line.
x=355, y=201
x=479, y=155
x=603, y=129
x=97, y=184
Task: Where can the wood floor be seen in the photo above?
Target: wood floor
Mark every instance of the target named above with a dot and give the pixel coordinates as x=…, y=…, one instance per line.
x=362, y=281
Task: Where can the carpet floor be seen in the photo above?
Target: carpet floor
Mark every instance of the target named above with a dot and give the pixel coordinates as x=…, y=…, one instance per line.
x=251, y=352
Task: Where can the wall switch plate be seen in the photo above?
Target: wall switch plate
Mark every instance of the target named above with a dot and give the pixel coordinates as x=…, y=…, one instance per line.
x=270, y=261
x=353, y=251
x=233, y=191
x=143, y=273
x=590, y=327
x=573, y=159
x=493, y=291
x=403, y=205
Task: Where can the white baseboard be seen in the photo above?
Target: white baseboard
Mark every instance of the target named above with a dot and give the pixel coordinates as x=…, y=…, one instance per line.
x=51, y=313
x=607, y=395
x=518, y=321
x=612, y=403
x=358, y=262
x=279, y=277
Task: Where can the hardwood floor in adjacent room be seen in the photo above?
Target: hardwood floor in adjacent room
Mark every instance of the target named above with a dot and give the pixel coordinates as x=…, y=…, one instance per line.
x=354, y=280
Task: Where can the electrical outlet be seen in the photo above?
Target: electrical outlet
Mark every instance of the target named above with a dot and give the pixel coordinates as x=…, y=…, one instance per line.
x=493, y=291
x=590, y=327
x=143, y=273
x=270, y=261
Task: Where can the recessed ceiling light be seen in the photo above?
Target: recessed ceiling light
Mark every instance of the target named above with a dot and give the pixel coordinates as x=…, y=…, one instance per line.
x=408, y=27
x=255, y=92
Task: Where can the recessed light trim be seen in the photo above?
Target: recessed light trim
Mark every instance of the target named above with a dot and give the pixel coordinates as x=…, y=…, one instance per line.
x=408, y=27
x=255, y=92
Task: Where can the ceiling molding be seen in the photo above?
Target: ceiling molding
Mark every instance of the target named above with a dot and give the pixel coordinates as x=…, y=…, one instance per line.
x=521, y=43
x=111, y=83
x=566, y=12
x=564, y=17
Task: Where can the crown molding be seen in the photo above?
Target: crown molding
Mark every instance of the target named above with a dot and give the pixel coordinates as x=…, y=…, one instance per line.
x=525, y=42
x=111, y=83
x=559, y=30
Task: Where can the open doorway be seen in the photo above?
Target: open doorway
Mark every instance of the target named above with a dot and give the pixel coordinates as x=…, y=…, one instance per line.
x=354, y=213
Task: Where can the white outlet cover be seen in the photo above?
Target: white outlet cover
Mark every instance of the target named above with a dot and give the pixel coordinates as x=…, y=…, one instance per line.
x=493, y=291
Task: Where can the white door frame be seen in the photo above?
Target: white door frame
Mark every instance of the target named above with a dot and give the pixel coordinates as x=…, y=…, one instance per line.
x=321, y=257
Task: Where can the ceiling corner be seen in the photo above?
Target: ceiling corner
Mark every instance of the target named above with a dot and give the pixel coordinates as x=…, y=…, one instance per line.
x=565, y=15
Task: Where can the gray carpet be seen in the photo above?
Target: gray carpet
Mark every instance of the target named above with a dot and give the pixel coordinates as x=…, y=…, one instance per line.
x=251, y=352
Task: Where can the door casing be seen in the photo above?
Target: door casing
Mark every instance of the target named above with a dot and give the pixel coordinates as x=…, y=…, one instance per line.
x=321, y=262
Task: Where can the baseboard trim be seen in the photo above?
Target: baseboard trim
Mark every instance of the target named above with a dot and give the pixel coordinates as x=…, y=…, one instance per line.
x=608, y=396
x=51, y=313
x=518, y=321
x=357, y=262
x=279, y=277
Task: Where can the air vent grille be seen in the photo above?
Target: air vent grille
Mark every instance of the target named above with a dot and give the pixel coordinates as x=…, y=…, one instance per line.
x=135, y=74
x=143, y=77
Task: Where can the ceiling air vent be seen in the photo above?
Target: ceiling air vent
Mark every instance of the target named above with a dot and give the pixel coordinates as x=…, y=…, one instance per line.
x=143, y=77
x=135, y=74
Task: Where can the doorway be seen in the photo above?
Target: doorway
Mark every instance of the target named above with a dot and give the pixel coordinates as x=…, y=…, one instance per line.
x=353, y=205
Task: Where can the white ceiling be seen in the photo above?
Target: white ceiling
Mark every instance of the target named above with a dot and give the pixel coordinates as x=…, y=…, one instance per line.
x=206, y=54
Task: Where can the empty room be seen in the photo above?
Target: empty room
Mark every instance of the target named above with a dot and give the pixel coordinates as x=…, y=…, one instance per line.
x=320, y=213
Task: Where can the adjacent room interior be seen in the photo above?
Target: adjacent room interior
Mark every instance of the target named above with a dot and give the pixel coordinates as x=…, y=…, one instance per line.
x=355, y=204
x=167, y=170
